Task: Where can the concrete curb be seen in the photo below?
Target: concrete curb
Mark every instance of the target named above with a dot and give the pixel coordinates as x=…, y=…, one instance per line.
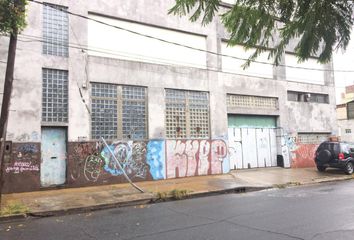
x=12, y=218
x=152, y=200
x=147, y=200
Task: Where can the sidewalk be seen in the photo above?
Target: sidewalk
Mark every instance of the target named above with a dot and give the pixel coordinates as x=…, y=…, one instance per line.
x=56, y=202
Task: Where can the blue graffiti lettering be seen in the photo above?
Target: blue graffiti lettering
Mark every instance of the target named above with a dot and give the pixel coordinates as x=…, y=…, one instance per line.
x=156, y=159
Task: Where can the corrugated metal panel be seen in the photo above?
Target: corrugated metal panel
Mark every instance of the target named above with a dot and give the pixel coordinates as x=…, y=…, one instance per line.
x=235, y=148
x=273, y=146
x=249, y=121
x=249, y=148
x=252, y=147
x=263, y=147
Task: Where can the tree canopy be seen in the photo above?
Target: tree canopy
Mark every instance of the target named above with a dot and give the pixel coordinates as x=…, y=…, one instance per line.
x=318, y=27
x=12, y=16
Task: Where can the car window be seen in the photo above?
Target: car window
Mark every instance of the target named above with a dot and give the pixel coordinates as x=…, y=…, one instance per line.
x=351, y=147
x=323, y=146
x=335, y=148
x=345, y=148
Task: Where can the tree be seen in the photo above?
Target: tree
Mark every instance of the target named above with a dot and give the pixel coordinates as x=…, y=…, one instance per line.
x=12, y=20
x=318, y=27
x=12, y=16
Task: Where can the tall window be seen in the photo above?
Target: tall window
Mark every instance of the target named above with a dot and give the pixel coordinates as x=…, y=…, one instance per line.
x=55, y=96
x=187, y=114
x=55, y=30
x=118, y=112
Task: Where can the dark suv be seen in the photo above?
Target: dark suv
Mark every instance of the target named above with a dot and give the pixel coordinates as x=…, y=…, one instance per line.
x=336, y=155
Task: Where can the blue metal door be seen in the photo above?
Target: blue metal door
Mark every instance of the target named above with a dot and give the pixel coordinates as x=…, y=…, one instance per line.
x=53, y=164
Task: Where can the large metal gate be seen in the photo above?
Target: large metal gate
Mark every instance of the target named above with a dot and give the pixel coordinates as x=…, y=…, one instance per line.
x=252, y=147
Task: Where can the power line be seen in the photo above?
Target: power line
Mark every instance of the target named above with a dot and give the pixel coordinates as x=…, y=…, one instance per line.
x=179, y=44
x=156, y=60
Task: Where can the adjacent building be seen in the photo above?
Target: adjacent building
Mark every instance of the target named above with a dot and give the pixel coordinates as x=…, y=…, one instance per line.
x=169, y=96
x=345, y=115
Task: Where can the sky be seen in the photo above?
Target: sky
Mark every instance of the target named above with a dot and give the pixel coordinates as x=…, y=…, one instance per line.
x=344, y=61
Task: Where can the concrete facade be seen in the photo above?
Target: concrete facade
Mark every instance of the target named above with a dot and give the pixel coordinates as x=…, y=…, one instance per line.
x=25, y=122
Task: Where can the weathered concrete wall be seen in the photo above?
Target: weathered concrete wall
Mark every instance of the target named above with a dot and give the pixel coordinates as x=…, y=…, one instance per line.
x=342, y=126
x=311, y=117
x=25, y=117
x=91, y=163
x=21, y=168
x=303, y=155
x=341, y=112
x=26, y=106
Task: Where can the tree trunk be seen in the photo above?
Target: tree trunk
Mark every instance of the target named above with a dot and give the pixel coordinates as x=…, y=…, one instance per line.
x=9, y=76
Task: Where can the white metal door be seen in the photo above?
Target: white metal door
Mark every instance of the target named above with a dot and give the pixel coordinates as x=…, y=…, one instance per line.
x=235, y=148
x=249, y=150
x=252, y=147
x=263, y=147
x=53, y=164
x=273, y=147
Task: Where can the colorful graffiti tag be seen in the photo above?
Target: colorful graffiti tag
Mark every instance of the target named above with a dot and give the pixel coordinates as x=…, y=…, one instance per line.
x=303, y=156
x=155, y=159
x=132, y=157
x=195, y=157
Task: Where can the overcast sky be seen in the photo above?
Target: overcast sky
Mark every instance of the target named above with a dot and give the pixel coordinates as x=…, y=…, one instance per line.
x=344, y=61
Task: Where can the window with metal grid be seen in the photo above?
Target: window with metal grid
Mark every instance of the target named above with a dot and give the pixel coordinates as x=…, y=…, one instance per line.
x=55, y=30
x=187, y=114
x=104, y=115
x=118, y=112
x=134, y=112
x=245, y=101
x=313, y=138
x=54, y=96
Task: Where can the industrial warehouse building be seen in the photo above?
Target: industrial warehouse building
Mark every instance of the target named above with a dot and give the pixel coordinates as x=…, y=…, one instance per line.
x=170, y=97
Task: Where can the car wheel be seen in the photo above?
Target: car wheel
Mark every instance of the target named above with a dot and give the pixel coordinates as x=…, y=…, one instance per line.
x=349, y=169
x=321, y=168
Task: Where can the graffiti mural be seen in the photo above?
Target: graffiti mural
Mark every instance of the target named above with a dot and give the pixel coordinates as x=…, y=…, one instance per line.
x=81, y=155
x=132, y=157
x=195, y=157
x=25, y=159
x=91, y=163
x=93, y=168
x=22, y=167
x=156, y=159
x=303, y=156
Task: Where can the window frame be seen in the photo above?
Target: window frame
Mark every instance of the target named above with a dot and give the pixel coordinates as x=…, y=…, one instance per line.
x=65, y=92
x=120, y=135
x=51, y=42
x=187, y=112
x=294, y=96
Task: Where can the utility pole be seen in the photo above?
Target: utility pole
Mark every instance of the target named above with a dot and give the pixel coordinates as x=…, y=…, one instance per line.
x=9, y=77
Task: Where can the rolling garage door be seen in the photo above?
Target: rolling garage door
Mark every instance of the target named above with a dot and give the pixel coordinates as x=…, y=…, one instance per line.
x=252, y=141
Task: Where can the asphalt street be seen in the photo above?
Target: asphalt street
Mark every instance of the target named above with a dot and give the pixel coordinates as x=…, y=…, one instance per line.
x=317, y=212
